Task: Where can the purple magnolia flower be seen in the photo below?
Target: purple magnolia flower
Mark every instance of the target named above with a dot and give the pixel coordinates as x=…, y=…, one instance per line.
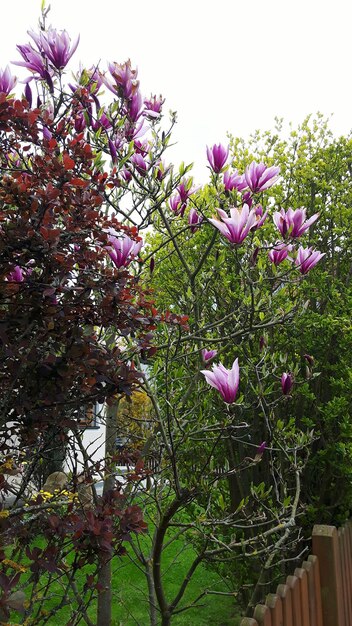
x=185, y=189
x=236, y=227
x=113, y=150
x=225, y=381
x=307, y=258
x=101, y=122
x=279, y=253
x=286, y=383
x=134, y=107
x=7, y=81
x=142, y=147
x=293, y=223
x=208, y=355
x=125, y=78
x=194, y=220
x=247, y=199
x=139, y=163
x=56, y=46
x=176, y=205
x=161, y=170
x=260, y=216
x=217, y=157
x=126, y=175
x=28, y=94
x=234, y=180
x=47, y=134
x=34, y=61
x=151, y=265
x=17, y=275
x=261, y=448
x=123, y=250
x=153, y=107
x=260, y=177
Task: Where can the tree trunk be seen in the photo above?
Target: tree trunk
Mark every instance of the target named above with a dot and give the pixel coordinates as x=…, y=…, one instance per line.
x=104, y=608
x=151, y=595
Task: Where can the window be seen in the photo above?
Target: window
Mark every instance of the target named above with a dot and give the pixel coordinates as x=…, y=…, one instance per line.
x=88, y=416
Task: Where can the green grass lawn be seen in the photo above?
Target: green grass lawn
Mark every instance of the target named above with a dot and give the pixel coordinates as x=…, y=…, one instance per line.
x=130, y=603
x=130, y=590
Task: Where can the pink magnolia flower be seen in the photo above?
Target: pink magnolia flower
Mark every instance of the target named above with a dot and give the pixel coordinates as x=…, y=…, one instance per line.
x=185, y=189
x=293, y=223
x=142, y=147
x=134, y=106
x=101, y=122
x=260, y=177
x=7, y=81
x=16, y=276
x=123, y=250
x=236, y=227
x=234, y=180
x=80, y=122
x=194, y=220
x=247, y=198
x=261, y=448
x=125, y=78
x=279, y=253
x=34, y=61
x=56, y=46
x=140, y=164
x=28, y=94
x=307, y=258
x=260, y=216
x=224, y=380
x=161, y=170
x=176, y=205
x=217, y=157
x=286, y=383
x=126, y=175
x=153, y=107
x=208, y=355
x=19, y=275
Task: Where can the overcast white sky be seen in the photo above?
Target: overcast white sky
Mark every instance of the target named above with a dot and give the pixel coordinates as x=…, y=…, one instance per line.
x=223, y=65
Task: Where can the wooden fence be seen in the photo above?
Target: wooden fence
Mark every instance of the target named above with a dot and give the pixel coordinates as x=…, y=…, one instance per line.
x=320, y=592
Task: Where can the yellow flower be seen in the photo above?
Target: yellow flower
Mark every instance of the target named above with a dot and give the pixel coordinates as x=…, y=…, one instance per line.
x=4, y=514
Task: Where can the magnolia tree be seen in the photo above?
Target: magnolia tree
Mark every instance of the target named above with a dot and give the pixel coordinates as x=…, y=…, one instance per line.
x=230, y=463
x=82, y=176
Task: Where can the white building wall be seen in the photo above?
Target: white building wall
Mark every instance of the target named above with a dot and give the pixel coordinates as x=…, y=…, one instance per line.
x=93, y=441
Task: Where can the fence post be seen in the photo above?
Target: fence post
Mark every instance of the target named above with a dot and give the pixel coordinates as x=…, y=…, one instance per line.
x=311, y=566
x=284, y=592
x=293, y=583
x=326, y=548
x=273, y=601
x=303, y=586
x=349, y=567
x=262, y=614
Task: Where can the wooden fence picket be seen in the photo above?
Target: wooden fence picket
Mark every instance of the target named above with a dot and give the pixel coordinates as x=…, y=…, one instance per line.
x=320, y=592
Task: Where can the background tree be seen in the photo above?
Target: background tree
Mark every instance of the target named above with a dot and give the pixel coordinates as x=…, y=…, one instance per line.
x=233, y=469
x=316, y=173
